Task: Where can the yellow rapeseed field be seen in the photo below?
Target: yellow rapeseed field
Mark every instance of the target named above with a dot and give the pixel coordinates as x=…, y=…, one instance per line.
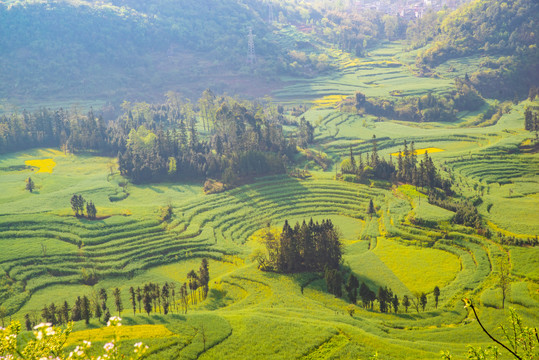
x=124, y=333
x=419, y=269
x=44, y=165
x=328, y=101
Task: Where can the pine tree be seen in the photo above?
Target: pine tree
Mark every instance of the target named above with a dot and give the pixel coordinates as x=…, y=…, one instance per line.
x=423, y=301
x=371, y=209
x=165, y=293
x=395, y=302
x=133, y=299
x=204, y=276
x=30, y=184
x=436, y=296
x=85, y=310
x=351, y=288
x=118, y=301
x=147, y=299
x=406, y=302
x=103, y=296
x=139, y=297
x=65, y=312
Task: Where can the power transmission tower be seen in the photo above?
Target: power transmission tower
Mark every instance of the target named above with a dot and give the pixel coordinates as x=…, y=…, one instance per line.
x=251, y=57
x=271, y=19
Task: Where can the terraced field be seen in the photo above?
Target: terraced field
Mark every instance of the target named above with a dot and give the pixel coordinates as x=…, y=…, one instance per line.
x=49, y=255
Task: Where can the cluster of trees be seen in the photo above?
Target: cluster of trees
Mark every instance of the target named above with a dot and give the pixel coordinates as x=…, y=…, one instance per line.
x=514, y=241
x=153, y=297
x=408, y=169
x=243, y=142
x=465, y=212
x=45, y=128
x=310, y=246
x=425, y=108
x=77, y=204
x=84, y=308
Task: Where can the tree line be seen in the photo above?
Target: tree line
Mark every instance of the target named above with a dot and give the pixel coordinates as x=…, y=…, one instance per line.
x=162, y=142
x=385, y=297
x=150, y=297
x=310, y=246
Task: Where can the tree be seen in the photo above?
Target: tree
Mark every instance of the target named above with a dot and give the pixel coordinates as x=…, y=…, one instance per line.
x=118, y=300
x=183, y=295
x=97, y=310
x=371, y=210
x=204, y=276
x=395, y=303
x=133, y=299
x=30, y=184
x=147, y=299
x=406, y=302
x=165, y=293
x=91, y=211
x=193, y=284
x=77, y=204
x=65, y=312
x=103, y=296
x=382, y=299
x=85, y=309
x=503, y=280
x=106, y=317
x=27, y=322
x=436, y=296
x=423, y=301
x=139, y=297
x=76, y=312
x=334, y=281
x=351, y=288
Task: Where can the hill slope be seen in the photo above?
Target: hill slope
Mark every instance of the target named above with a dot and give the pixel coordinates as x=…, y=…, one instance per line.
x=504, y=30
x=56, y=50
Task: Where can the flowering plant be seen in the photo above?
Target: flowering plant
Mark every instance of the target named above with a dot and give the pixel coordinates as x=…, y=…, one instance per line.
x=49, y=344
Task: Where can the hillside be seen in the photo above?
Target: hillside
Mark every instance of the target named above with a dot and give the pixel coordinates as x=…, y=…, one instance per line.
x=502, y=33
x=128, y=49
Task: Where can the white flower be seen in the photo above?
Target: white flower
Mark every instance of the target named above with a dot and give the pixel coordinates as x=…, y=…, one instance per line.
x=38, y=334
x=114, y=321
x=50, y=331
x=108, y=346
x=87, y=344
x=42, y=325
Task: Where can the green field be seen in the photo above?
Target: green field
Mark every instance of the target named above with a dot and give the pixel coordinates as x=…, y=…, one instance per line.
x=47, y=253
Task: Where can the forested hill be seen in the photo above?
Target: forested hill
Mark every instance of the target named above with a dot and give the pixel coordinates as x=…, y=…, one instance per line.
x=504, y=32
x=130, y=47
